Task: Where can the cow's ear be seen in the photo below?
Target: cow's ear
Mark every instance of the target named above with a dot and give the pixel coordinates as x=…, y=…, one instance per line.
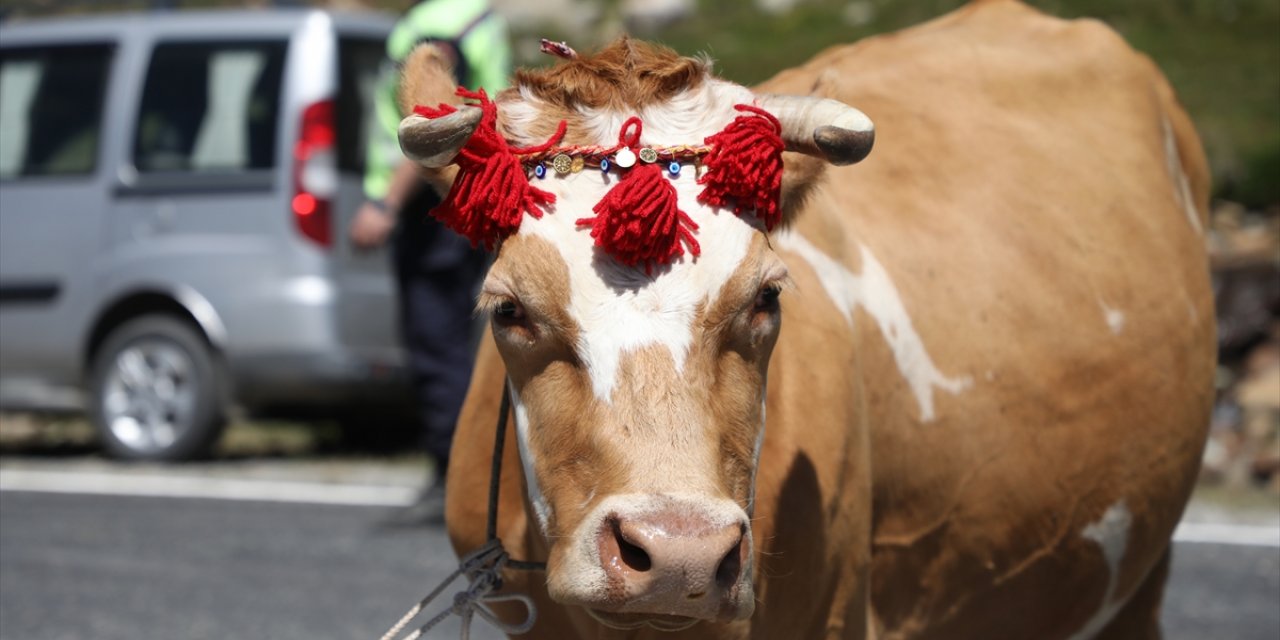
x=427, y=80
x=801, y=174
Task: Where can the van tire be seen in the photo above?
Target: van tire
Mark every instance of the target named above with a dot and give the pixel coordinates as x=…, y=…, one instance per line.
x=156, y=391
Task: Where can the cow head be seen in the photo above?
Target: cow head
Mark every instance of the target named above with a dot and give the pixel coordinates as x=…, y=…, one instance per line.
x=638, y=389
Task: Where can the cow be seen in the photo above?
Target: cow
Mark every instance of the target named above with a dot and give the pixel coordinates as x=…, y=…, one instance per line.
x=958, y=390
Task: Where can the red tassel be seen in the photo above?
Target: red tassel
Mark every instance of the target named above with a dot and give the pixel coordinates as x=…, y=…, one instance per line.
x=491, y=193
x=639, y=220
x=745, y=166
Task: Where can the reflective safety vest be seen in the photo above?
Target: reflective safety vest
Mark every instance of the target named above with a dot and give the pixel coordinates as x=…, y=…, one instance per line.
x=476, y=34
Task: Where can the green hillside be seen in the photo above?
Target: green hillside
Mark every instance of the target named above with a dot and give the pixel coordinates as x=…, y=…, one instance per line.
x=1223, y=57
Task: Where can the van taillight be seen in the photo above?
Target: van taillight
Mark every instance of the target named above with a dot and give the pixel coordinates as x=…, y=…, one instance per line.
x=315, y=177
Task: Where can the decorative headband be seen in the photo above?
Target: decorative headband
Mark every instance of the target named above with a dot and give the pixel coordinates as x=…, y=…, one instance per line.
x=638, y=221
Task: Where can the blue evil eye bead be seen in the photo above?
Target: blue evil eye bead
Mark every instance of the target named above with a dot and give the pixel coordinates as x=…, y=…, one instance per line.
x=604, y=165
x=540, y=171
x=673, y=169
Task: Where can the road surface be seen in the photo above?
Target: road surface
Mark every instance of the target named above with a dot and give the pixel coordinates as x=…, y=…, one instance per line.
x=106, y=567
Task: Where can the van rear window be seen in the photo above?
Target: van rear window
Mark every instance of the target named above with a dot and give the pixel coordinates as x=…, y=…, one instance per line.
x=210, y=107
x=51, y=108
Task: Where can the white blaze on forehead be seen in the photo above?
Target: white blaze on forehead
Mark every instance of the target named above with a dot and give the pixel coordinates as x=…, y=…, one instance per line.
x=619, y=309
x=874, y=291
x=1111, y=532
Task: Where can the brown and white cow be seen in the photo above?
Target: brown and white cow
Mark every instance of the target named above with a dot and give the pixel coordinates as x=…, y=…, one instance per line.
x=987, y=406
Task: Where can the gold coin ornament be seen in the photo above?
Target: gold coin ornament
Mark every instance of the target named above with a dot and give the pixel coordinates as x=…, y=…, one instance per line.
x=562, y=163
x=648, y=155
x=578, y=164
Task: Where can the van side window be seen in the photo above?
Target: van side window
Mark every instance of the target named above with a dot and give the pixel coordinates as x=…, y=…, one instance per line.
x=210, y=108
x=360, y=67
x=51, y=108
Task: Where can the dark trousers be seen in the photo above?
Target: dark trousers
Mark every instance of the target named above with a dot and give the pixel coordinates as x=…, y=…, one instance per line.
x=438, y=274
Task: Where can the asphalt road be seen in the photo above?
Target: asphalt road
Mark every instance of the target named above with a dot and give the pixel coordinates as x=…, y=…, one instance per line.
x=136, y=568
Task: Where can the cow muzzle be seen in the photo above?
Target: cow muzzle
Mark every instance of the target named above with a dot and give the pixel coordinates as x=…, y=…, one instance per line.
x=660, y=561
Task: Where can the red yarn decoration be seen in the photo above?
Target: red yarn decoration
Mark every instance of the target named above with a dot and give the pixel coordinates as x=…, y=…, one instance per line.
x=745, y=166
x=639, y=220
x=491, y=193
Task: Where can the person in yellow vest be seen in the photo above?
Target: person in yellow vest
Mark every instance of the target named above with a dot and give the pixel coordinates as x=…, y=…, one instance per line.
x=437, y=271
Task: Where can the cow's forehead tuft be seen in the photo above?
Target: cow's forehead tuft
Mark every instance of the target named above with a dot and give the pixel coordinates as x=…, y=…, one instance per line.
x=687, y=118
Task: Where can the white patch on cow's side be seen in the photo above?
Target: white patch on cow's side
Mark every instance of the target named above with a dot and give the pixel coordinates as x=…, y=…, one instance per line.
x=541, y=509
x=1111, y=533
x=620, y=309
x=1114, y=317
x=1182, y=188
x=874, y=291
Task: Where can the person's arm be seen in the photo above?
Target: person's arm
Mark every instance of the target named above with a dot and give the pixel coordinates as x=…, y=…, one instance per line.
x=375, y=219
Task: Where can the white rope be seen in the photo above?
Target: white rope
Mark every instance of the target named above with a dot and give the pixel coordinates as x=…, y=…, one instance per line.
x=483, y=567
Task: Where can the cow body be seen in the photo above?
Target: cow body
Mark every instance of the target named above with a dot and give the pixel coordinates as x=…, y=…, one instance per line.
x=987, y=407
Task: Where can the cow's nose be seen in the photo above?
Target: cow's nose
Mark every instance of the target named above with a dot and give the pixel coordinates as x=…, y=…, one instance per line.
x=680, y=562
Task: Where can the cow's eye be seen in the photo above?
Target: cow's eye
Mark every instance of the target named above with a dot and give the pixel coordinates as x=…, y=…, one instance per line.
x=508, y=311
x=767, y=298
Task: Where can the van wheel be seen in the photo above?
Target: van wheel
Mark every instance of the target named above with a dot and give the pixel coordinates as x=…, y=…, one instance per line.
x=156, y=391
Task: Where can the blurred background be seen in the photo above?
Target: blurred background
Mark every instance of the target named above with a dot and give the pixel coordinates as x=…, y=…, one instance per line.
x=1223, y=57
x=290, y=330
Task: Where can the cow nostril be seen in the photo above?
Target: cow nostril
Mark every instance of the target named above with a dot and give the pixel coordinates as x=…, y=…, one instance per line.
x=630, y=554
x=730, y=567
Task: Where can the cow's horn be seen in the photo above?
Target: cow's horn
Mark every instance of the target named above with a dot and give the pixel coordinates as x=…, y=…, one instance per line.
x=822, y=127
x=433, y=143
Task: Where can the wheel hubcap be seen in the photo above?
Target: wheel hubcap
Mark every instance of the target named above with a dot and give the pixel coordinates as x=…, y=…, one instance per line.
x=149, y=395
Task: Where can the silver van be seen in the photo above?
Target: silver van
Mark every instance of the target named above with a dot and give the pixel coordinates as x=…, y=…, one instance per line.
x=174, y=193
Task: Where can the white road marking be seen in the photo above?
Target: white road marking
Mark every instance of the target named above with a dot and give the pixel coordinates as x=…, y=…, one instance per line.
x=1228, y=534
x=169, y=486
x=172, y=486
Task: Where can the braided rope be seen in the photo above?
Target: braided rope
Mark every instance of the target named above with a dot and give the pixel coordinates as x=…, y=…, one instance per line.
x=483, y=567
x=592, y=154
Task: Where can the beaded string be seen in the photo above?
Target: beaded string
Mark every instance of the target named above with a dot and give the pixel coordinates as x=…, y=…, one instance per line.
x=574, y=158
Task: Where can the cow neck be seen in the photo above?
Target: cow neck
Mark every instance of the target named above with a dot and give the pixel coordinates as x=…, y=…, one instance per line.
x=483, y=566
